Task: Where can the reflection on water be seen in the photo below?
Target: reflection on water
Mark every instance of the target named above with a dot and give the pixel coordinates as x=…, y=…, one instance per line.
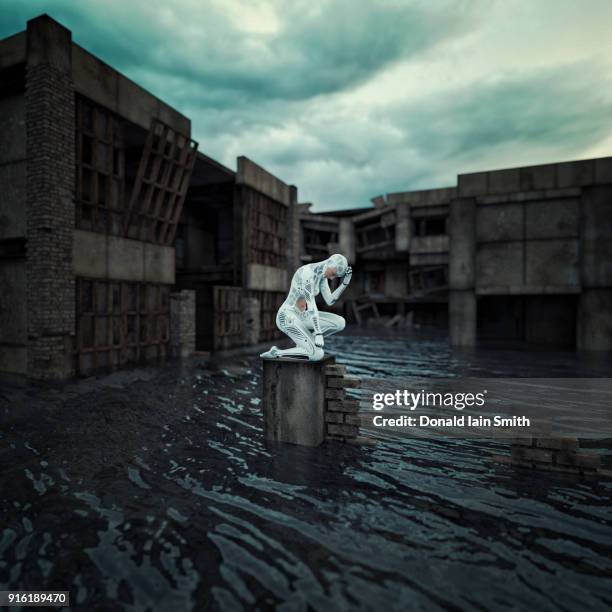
x=154, y=488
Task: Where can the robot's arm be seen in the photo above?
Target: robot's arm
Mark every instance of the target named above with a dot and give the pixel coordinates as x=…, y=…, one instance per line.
x=331, y=298
x=326, y=293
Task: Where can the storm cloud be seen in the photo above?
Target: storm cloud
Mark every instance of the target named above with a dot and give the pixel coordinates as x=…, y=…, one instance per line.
x=348, y=100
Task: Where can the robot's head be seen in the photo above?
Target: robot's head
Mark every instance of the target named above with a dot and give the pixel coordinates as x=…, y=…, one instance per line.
x=337, y=262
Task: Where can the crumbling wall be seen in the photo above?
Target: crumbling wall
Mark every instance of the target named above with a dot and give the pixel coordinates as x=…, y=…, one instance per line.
x=342, y=420
x=182, y=323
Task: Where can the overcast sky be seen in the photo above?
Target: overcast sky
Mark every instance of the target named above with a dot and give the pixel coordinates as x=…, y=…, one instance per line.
x=349, y=99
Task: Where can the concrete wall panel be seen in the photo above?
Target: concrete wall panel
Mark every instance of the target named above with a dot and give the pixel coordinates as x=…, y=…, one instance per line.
x=576, y=173
x=535, y=178
x=93, y=78
x=552, y=263
x=552, y=218
x=249, y=173
x=12, y=128
x=13, y=200
x=158, y=264
x=266, y=278
x=125, y=259
x=504, y=181
x=499, y=222
x=89, y=256
x=499, y=265
x=108, y=87
x=474, y=184
x=396, y=279
x=597, y=237
x=603, y=170
x=13, y=297
x=429, y=259
x=429, y=244
x=111, y=257
x=424, y=197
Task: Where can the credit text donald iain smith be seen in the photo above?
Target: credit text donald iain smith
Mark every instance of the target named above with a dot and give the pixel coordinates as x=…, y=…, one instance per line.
x=423, y=399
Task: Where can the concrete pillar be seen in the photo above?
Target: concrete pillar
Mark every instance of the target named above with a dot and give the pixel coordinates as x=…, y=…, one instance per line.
x=182, y=323
x=346, y=239
x=251, y=308
x=294, y=400
x=403, y=227
x=294, y=232
x=462, y=317
x=594, y=329
x=462, y=272
x=594, y=325
x=50, y=167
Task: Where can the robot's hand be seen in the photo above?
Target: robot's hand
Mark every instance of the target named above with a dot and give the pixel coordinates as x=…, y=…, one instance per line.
x=319, y=340
x=347, y=277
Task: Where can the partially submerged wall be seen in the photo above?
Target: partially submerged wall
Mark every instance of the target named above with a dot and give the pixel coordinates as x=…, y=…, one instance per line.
x=535, y=231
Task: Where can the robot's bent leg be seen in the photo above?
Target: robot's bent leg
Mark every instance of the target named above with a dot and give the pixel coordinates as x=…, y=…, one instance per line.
x=331, y=323
x=304, y=347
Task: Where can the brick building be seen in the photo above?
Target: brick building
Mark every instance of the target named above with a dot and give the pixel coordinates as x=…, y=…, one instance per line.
x=94, y=176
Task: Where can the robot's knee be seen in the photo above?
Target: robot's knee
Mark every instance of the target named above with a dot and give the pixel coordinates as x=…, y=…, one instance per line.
x=341, y=323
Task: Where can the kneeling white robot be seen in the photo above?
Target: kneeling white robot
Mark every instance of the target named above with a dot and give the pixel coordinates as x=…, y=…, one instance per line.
x=298, y=316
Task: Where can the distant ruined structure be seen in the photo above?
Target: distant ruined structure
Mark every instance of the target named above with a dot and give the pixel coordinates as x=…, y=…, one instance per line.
x=522, y=255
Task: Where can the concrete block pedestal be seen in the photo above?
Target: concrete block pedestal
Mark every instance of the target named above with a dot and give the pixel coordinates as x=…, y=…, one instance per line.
x=294, y=400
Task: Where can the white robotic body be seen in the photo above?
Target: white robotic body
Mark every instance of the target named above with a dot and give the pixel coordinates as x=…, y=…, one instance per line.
x=303, y=325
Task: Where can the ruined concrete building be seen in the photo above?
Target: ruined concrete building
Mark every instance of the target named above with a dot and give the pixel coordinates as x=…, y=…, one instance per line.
x=237, y=243
x=400, y=249
x=522, y=255
x=121, y=242
x=531, y=255
x=98, y=182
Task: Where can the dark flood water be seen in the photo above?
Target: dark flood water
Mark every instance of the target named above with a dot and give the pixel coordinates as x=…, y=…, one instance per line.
x=154, y=490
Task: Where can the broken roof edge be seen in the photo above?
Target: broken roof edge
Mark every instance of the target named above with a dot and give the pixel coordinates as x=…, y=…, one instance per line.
x=257, y=177
x=216, y=164
x=92, y=77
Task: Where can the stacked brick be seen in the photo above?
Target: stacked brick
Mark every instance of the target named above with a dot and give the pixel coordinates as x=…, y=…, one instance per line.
x=50, y=121
x=341, y=412
x=553, y=454
x=182, y=323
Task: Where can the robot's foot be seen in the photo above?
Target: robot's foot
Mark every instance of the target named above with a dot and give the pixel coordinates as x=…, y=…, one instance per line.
x=271, y=354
